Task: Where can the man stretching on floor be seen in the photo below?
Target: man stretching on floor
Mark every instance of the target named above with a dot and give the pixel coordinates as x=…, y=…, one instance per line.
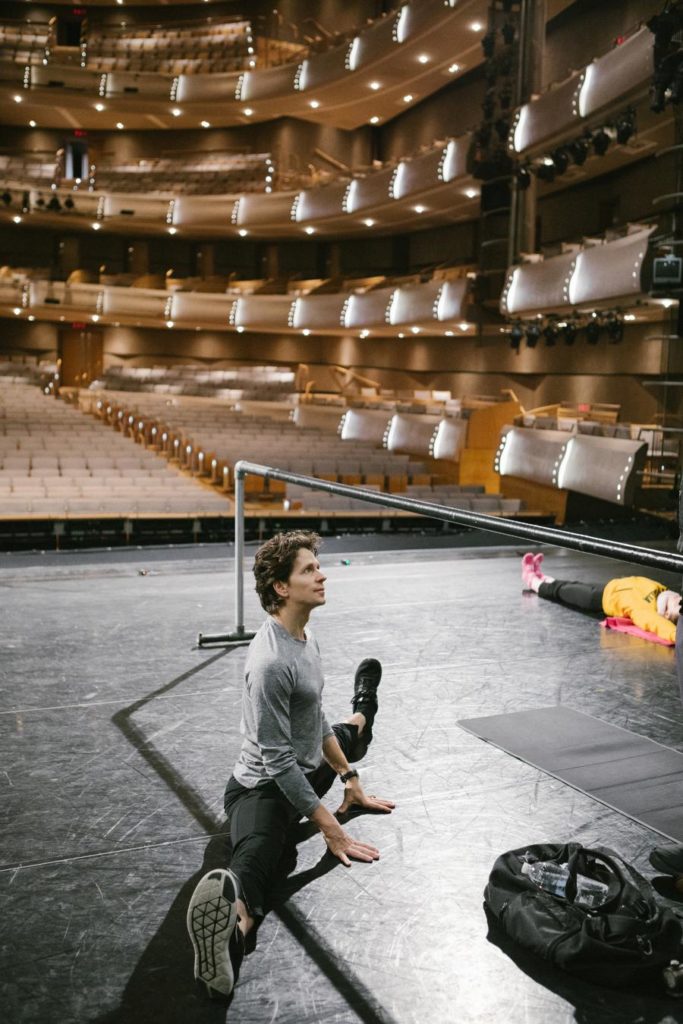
x=290, y=757
x=651, y=608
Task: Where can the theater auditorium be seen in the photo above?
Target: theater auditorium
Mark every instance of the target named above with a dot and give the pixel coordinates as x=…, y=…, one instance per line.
x=406, y=274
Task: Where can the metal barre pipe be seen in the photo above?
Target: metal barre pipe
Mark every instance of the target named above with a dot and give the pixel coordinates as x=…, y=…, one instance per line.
x=492, y=524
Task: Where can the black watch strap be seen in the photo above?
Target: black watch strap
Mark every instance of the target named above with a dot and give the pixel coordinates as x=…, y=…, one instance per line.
x=347, y=776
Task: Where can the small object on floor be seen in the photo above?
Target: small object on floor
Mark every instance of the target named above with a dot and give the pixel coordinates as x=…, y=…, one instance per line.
x=668, y=860
x=345, y=561
x=143, y=572
x=217, y=940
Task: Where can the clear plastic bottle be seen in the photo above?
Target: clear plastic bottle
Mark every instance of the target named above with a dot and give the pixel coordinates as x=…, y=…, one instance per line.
x=590, y=893
x=548, y=875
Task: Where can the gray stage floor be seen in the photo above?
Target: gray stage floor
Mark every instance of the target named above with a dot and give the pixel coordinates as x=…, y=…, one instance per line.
x=117, y=736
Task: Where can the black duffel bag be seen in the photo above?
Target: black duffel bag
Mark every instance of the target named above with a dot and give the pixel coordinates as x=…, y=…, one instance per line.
x=617, y=934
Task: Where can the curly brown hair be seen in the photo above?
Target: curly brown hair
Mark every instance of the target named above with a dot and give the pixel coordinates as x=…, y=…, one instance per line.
x=275, y=560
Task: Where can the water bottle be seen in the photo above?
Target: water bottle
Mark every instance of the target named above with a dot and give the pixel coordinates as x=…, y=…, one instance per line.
x=590, y=893
x=548, y=875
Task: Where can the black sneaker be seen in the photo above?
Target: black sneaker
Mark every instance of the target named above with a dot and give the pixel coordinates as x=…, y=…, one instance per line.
x=212, y=924
x=366, y=681
x=668, y=860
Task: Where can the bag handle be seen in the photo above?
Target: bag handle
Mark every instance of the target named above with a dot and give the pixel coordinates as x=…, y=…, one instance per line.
x=624, y=874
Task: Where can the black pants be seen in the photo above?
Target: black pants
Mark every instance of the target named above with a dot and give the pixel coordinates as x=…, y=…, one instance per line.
x=261, y=818
x=586, y=597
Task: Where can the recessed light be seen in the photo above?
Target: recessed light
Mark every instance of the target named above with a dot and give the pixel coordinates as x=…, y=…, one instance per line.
x=99, y=107
x=17, y=219
x=400, y=334
x=242, y=232
x=364, y=334
x=309, y=230
x=314, y=103
x=471, y=193
x=419, y=209
x=476, y=26
x=449, y=334
x=629, y=316
x=247, y=111
x=31, y=317
x=169, y=323
x=95, y=317
x=374, y=120
x=32, y=124
x=305, y=332
x=408, y=97
x=463, y=326
x=205, y=124
x=423, y=59
x=239, y=329
x=16, y=311
x=453, y=68
x=96, y=226
x=18, y=98
x=176, y=112
x=375, y=85
x=172, y=230
x=369, y=222
x=120, y=124
x=415, y=330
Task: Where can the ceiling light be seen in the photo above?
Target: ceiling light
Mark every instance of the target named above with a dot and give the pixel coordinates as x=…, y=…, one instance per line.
x=96, y=226
x=375, y=85
x=32, y=124
x=419, y=209
x=453, y=68
x=176, y=112
x=99, y=107
x=305, y=332
x=415, y=330
x=476, y=26
x=18, y=98
x=172, y=230
x=369, y=222
x=239, y=329
x=205, y=124
x=120, y=125
x=170, y=323
x=31, y=317
x=16, y=311
x=95, y=317
x=315, y=104
x=471, y=193
x=629, y=317
x=400, y=334
x=17, y=219
x=374, y=120
x=408, y=97
x=247, y=111
x=463, y=326
x=364, y=334
x=242, y=232
x=423, y=59
x=309, y=230
x=449, y=334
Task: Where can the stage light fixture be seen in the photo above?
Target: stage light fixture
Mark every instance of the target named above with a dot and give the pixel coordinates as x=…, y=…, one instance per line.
x=25, y=202
x=561, y=158
x=625, y=127
x=502, y=127
x=601, y=142
x=6, y=197
x=488, y=44
x=593, y=330
x=569, y=331
x=516, y=335
x=508, y=32
x=615, y=328
x=545, y=171
x=54, y=206
x=551, y=333
x=523, y=178
x=578, y=150
x=533, y=333
x=69, y=203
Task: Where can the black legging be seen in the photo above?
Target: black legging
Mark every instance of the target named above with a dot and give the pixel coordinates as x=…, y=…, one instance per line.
x=586, y=597
x=260, y=820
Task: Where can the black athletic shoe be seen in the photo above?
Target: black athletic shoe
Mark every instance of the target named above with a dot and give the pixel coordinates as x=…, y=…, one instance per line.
x=212, y=924
x=668, y=860
x=366, y=681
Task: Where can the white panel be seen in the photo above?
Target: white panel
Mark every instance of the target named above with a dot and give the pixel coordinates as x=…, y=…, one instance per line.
x=322, y=68
x=450, y=439
x=193, y=210
x=604, y=467
x=322, y=311
x=609, y=271
x=415, y=303
x=269, y=82
x=198, y=307
x=274, y=208
x=419, y=174
x=142, y=208
x=365, y=425
x=532, y=454
x=412, y=433
x=376, y=42
x=323, y=417
x=207, y=88
x=551, y=113
x=371, y=191
x=142, y=301
x=453, y=300
x=368, y=309
x=455, y=159
x=265, y=311
x=321, y=202
x=618, y=72
x=543, y=285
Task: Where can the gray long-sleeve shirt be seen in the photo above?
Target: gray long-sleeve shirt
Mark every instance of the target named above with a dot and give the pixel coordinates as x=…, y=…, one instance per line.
x=283, y=723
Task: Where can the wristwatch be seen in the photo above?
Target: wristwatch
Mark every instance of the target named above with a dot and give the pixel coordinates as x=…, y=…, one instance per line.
x=347, y=776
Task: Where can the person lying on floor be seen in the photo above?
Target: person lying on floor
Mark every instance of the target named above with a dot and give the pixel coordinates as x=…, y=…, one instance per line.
x=632, y=604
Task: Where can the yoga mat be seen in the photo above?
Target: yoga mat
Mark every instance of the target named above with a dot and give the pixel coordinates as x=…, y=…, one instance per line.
x=629, y=773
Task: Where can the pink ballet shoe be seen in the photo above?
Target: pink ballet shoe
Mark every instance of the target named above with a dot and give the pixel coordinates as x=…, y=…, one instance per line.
x=528, y=571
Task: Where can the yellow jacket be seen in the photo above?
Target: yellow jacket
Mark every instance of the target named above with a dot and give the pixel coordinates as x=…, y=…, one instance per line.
x=635, y=598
